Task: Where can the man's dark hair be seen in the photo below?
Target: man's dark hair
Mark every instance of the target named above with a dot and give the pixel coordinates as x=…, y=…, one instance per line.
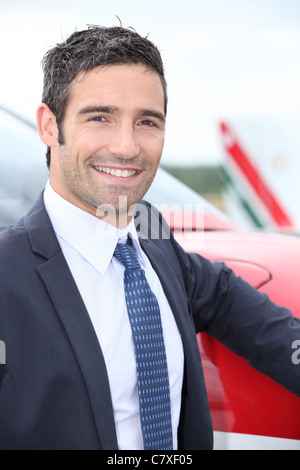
x=87, y=49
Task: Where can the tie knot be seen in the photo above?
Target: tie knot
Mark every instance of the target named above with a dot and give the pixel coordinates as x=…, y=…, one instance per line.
x=127, y=256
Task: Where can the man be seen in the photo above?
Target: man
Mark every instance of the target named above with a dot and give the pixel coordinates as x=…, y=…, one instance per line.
x=72, y=378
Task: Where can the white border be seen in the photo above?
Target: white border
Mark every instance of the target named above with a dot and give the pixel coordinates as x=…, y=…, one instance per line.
x=236, y=441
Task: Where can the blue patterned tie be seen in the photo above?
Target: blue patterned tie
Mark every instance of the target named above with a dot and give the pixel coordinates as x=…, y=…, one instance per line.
x=151, y=363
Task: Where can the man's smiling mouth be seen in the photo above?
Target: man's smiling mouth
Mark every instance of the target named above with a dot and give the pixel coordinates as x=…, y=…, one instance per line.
x=116, y=171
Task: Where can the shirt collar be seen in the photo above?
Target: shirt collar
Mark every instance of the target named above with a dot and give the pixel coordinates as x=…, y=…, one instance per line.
x=93, y=238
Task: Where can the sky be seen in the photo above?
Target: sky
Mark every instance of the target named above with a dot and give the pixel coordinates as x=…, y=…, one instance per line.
x=232, y=60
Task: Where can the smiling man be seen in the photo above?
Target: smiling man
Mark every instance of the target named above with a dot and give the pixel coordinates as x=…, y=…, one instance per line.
x=100, y=331
x=113, y=136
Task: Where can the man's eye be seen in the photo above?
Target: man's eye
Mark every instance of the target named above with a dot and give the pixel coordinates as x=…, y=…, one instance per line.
x=98, y=119
x=147, y=122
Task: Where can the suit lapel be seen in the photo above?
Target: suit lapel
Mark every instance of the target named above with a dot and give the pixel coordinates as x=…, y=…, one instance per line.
x=69, y=306
x=154, y=236
x=165, y=267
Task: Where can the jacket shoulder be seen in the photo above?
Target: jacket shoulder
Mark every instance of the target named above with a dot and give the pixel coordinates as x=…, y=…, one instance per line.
x=15, y=251
x=12, y=235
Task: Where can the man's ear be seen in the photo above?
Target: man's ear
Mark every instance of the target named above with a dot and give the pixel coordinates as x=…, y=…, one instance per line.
x=46, y=125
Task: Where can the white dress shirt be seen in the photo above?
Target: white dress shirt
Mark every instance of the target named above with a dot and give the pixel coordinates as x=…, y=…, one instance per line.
x=88, y=244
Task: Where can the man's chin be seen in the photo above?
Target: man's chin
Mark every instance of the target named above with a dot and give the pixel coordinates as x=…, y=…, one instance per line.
x=118, y=214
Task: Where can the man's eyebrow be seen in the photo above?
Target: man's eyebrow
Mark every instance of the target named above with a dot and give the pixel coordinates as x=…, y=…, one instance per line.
x=99, y=109
x=152, y=113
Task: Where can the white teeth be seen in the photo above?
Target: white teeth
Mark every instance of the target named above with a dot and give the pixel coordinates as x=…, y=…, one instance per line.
x=112, y=171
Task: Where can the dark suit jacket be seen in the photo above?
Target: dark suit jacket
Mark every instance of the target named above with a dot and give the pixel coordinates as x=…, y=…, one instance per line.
x=54, y=391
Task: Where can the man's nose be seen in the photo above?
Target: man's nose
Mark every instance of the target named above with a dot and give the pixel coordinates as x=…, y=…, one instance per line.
x=124, y=143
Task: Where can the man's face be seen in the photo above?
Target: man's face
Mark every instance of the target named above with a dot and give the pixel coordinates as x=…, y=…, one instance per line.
x=113, y=130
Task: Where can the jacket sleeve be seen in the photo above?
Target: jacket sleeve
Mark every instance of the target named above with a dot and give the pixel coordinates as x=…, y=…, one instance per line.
x=242, y=318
